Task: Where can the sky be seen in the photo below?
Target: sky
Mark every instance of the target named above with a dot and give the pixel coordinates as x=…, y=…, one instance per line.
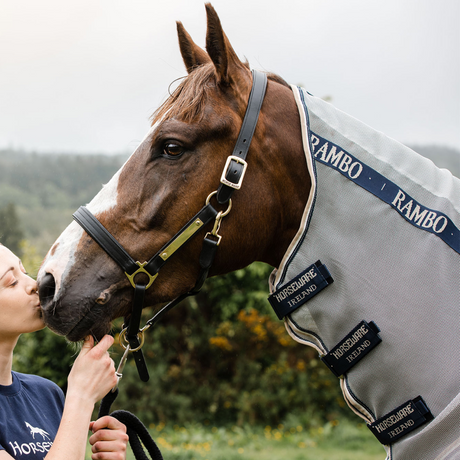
x=84, y=76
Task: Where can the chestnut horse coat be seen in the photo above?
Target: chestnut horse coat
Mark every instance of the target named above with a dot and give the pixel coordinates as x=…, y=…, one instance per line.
x=384, y=221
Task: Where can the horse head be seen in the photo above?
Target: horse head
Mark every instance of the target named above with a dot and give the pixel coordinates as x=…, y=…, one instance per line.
x=168, y=179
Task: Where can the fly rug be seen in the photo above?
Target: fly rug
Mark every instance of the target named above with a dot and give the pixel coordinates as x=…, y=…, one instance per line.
x=380, y=243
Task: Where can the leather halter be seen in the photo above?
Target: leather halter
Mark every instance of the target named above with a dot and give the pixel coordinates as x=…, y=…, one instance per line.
x=231, y=179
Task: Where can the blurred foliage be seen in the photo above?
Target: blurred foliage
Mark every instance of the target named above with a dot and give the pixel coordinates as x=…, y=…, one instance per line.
x=30, y=257
x=46, y=354
x=334, y=440
x=10, y=229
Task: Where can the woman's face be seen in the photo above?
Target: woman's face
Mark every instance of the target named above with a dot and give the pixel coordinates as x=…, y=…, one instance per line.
x=19, y=303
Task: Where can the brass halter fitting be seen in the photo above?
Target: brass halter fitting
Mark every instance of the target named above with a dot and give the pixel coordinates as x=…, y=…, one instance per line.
x=220, y=215
x=141, y=269
x=123, y=340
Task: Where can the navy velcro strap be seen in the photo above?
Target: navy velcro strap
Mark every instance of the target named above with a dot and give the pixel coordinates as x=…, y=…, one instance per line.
x=352, y=348
x=300, y=289
x=401, y=421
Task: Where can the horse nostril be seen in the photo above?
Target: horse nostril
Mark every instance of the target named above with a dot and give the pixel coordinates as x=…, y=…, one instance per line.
x=46, y=288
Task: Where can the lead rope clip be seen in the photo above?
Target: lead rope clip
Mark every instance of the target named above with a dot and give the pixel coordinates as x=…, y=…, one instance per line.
x=119, y=372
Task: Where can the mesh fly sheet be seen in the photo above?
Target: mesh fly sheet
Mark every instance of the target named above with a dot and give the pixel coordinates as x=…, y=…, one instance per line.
x=385, y=222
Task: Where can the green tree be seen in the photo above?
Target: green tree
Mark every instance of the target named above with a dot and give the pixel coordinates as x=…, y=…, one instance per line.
x=11, y=234
x=46, y=354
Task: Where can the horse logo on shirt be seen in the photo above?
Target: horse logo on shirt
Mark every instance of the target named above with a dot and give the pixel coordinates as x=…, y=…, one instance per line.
x=34, y=431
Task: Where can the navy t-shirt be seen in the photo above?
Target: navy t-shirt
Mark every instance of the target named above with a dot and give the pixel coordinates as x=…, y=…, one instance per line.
x=30, y=413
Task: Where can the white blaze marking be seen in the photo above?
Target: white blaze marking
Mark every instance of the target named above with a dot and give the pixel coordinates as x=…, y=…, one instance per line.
x=63, y=258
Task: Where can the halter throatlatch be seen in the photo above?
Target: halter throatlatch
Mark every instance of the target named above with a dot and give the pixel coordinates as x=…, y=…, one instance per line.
x=231, y=179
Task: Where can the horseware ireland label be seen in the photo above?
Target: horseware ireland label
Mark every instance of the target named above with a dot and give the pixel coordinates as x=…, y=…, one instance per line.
x=401, y=421
x=300, y=289
x=354, y=347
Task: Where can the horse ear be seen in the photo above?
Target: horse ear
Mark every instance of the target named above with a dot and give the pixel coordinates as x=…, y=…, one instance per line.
x=219, y=48
x=192, y=54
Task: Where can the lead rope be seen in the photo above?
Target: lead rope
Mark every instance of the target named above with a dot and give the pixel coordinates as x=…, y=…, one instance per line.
x=139, y=437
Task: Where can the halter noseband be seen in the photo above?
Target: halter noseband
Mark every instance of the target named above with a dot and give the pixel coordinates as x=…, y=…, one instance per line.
x=231, y=179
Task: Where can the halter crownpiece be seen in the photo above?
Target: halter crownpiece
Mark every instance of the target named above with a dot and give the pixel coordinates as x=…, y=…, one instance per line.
x=235, y=167
x=231, y=179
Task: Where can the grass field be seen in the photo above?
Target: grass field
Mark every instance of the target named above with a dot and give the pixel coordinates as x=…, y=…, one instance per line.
x=335, y=441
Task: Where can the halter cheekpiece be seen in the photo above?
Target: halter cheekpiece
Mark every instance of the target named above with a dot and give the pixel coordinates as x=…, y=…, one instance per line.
x=231, y=180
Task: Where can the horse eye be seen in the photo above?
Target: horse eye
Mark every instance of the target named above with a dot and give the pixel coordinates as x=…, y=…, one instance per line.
x=173, y=149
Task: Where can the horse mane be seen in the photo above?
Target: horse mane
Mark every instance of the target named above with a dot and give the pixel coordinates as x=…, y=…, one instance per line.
x=187, y=101
x=276, y=78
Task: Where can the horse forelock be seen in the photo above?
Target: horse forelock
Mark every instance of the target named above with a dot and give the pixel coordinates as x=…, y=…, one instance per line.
x=187, y=101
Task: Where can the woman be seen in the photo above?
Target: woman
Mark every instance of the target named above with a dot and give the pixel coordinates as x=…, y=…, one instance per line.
x=35, y=421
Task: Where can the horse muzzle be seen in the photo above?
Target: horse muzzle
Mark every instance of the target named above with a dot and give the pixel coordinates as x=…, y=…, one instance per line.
x=74, y=316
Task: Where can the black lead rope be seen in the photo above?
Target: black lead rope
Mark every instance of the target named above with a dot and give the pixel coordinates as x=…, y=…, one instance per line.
x=139, y=437
x=136, y=430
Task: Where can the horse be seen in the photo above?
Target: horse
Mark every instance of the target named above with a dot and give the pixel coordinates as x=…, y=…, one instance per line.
x=362, y=232
x=33, y=431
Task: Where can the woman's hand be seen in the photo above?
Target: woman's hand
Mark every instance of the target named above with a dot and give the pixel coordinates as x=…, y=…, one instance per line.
x=91, y=378
x=93, y=373
x=109, y=439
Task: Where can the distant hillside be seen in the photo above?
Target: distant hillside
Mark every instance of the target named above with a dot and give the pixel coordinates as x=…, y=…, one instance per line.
x=442, y=157
x=51, y=180
x=47, y=188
